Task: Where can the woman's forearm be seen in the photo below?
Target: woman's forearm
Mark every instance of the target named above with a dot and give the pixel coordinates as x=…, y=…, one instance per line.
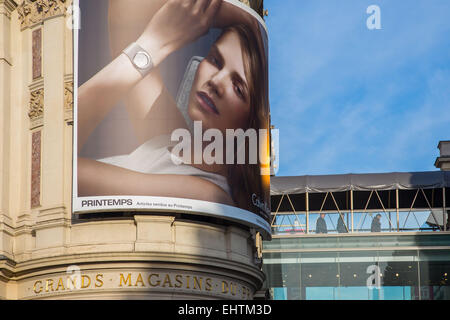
x=229, y=14
x=127, y=20
x=102, y=92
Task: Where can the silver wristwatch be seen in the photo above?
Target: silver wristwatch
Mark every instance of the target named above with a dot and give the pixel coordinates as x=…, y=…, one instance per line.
x=140, y=58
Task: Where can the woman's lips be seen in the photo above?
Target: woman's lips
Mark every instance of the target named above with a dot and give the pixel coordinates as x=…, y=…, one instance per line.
x=206, y=102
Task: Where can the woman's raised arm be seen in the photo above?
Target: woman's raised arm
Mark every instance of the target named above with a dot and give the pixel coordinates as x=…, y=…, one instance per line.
x=166, y=25
x=148, y=100
x=127, y=20
x=99, y=94
x=175, y=24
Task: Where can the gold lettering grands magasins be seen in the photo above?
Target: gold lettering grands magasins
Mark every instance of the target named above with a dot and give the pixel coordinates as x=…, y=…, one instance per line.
x=141, y=280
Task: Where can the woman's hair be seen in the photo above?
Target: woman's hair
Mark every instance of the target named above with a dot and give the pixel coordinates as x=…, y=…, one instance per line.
x=246, y=180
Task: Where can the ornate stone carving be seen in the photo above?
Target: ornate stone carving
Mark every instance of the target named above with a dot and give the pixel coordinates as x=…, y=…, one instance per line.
x=53, y=7
x=25, y=15
x=36, y=104
x=36, y=169
x=68, y=95
x=28, y=14
x=32, y=12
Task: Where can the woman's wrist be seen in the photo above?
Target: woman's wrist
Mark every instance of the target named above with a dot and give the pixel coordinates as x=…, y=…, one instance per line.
x=157, y=52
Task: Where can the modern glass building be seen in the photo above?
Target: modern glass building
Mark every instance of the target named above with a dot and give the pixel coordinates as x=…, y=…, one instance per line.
x=360, y=237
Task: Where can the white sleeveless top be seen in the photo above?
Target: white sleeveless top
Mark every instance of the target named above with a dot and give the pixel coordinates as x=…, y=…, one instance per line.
x=154, y=157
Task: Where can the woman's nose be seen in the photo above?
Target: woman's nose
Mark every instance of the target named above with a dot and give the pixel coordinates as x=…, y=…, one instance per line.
x=217, y=83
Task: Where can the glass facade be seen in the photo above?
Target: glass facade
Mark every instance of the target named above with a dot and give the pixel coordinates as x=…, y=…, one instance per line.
x=360, y=237
x=418, y=210
x=358, y=267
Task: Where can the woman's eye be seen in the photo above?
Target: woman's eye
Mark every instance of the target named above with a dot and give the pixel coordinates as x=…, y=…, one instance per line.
x=214, y=61
x=239, y=92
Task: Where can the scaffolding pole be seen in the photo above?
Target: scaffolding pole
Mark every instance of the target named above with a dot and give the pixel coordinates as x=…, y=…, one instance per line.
x=397, y=210
x=444, y=214
x=351, y=207
x=307, y=211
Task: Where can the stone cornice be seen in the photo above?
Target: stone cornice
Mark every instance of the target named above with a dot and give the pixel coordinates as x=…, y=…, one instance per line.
x=441, y=161
x=7, y=6
x=34, y=12
x=141, y=259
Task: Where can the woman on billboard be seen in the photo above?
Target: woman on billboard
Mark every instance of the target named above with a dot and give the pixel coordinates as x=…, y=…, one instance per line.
x=228, y=92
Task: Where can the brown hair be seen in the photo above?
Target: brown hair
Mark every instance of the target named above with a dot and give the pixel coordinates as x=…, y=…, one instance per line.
x=246, y=180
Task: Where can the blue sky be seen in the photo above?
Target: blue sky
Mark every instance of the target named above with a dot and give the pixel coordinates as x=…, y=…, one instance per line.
x=347, y=99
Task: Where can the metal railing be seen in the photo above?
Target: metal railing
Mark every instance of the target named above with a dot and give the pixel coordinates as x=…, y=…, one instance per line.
x=399, y=218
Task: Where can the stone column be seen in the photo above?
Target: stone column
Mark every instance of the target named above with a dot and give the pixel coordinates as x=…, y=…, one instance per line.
x=6, y=222
x=54, y=215
x=6, y=62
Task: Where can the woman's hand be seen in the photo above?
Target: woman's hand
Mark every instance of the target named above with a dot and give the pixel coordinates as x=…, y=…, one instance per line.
x=176, y=24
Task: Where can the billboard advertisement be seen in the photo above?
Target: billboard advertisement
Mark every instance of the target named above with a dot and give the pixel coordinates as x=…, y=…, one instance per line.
x=171, y=111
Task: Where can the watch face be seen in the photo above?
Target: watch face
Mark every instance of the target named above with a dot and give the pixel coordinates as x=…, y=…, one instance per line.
x=141, y=60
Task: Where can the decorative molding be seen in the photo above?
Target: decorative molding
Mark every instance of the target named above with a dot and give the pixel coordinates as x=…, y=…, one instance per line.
x=68, y=100
x=7, y=6
x=36, y=84
x=34, y=12
x=36, y=104
x=36, y=107
x=68, y=95
x=28, y=14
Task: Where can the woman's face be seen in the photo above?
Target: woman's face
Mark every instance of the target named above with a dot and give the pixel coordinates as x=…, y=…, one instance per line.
x=220, y=95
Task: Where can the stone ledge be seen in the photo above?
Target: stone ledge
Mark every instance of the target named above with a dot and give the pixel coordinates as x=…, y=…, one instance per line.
x=102, y=232
x=108, y=236
x=117, y=259
x=6, y=223
x=443, y=163
x=140, y=243
x=111, y=266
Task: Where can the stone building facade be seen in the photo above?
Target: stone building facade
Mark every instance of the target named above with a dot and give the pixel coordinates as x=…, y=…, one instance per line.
x=45, y=252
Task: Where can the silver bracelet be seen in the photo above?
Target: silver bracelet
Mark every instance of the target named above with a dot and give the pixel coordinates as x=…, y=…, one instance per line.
x=140, y=58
